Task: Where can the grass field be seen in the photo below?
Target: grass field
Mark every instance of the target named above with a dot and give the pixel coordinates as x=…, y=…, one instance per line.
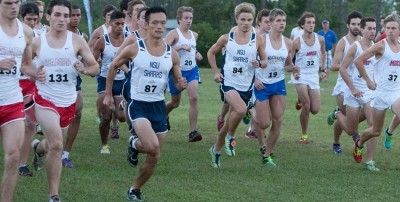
x=304, y=172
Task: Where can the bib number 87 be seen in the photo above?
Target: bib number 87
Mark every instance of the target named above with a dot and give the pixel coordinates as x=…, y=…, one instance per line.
x=150, y=88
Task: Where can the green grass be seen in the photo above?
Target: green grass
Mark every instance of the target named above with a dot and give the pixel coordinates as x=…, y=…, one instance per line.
x=304, y=172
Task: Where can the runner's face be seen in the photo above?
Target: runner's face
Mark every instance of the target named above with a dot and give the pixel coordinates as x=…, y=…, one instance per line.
x=392, y=30
x=156, y=25
x=59, y=18
x=40, y=12
x=108, y=15
x=354, y=26
x=30, y=20
x=135, y=9
x=75, y=17
x=186, y=20
x=279, y=24
x=9, y=8
x=141, y=19
x=245, y=21
x=117, y=25
x=369, y=30
x=265, y=25
x=309, y=25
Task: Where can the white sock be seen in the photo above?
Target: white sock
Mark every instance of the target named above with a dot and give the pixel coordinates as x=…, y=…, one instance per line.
x=215, y=151
x=65, y=155
x=230, y=136
x=134, y=142
x=249, y=130
x=22, y=165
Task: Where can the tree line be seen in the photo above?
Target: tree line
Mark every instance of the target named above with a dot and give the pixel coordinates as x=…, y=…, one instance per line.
x=212, y=18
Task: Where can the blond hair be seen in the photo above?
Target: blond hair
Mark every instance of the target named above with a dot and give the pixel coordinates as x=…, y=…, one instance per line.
x=392, y=18
x=245, y=8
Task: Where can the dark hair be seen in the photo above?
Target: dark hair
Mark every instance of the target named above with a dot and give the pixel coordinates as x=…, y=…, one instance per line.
x=365, y=20
x=117, y=15
x=124, y=5
x=352, y=15
x=28, y=8
x=305, y=15
x=154, y=9
x=74, y=6
x=262, y=13
x=53, y=3
x=143, y=9
x=107, y=8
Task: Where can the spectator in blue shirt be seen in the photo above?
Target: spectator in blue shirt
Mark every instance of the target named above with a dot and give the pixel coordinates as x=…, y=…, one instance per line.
x=330, y=43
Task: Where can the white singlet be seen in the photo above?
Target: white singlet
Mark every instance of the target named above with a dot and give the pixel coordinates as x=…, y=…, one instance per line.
x=149, y=74
x=59, y=87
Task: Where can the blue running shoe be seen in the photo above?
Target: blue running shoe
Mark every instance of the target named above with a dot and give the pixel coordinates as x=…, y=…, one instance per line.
x=388, y=139
x=337, y=149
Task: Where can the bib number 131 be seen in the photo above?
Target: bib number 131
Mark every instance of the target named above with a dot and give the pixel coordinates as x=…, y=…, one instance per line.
x=58, y=78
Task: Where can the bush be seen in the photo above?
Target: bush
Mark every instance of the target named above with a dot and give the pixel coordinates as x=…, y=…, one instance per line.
x=207, y=37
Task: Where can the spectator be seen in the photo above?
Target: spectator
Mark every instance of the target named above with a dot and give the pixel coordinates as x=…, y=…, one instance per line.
x=330, y=44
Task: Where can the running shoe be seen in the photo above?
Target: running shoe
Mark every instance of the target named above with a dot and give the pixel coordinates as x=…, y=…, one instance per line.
x=336, y=149
x=220, y=124
x=332, y=116
x=298, y=104
x=214, y=158
x=251, y=134
x=134, y=195
x=371, y=167
x=37, y=160
x=388, y=139
x=358, y=152
x=67, y=163
x=247, y=117
x=133, y=153
x=269, y=161
x=230, y=144
x=304, y=139
x=114, y=133
x=195, y=136
x=105, y=149
x=55, y=198
x=24, y=171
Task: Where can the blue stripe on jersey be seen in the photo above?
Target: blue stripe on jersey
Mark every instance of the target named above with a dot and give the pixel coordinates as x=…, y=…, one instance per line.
x=231, y=36
x=107, y=39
